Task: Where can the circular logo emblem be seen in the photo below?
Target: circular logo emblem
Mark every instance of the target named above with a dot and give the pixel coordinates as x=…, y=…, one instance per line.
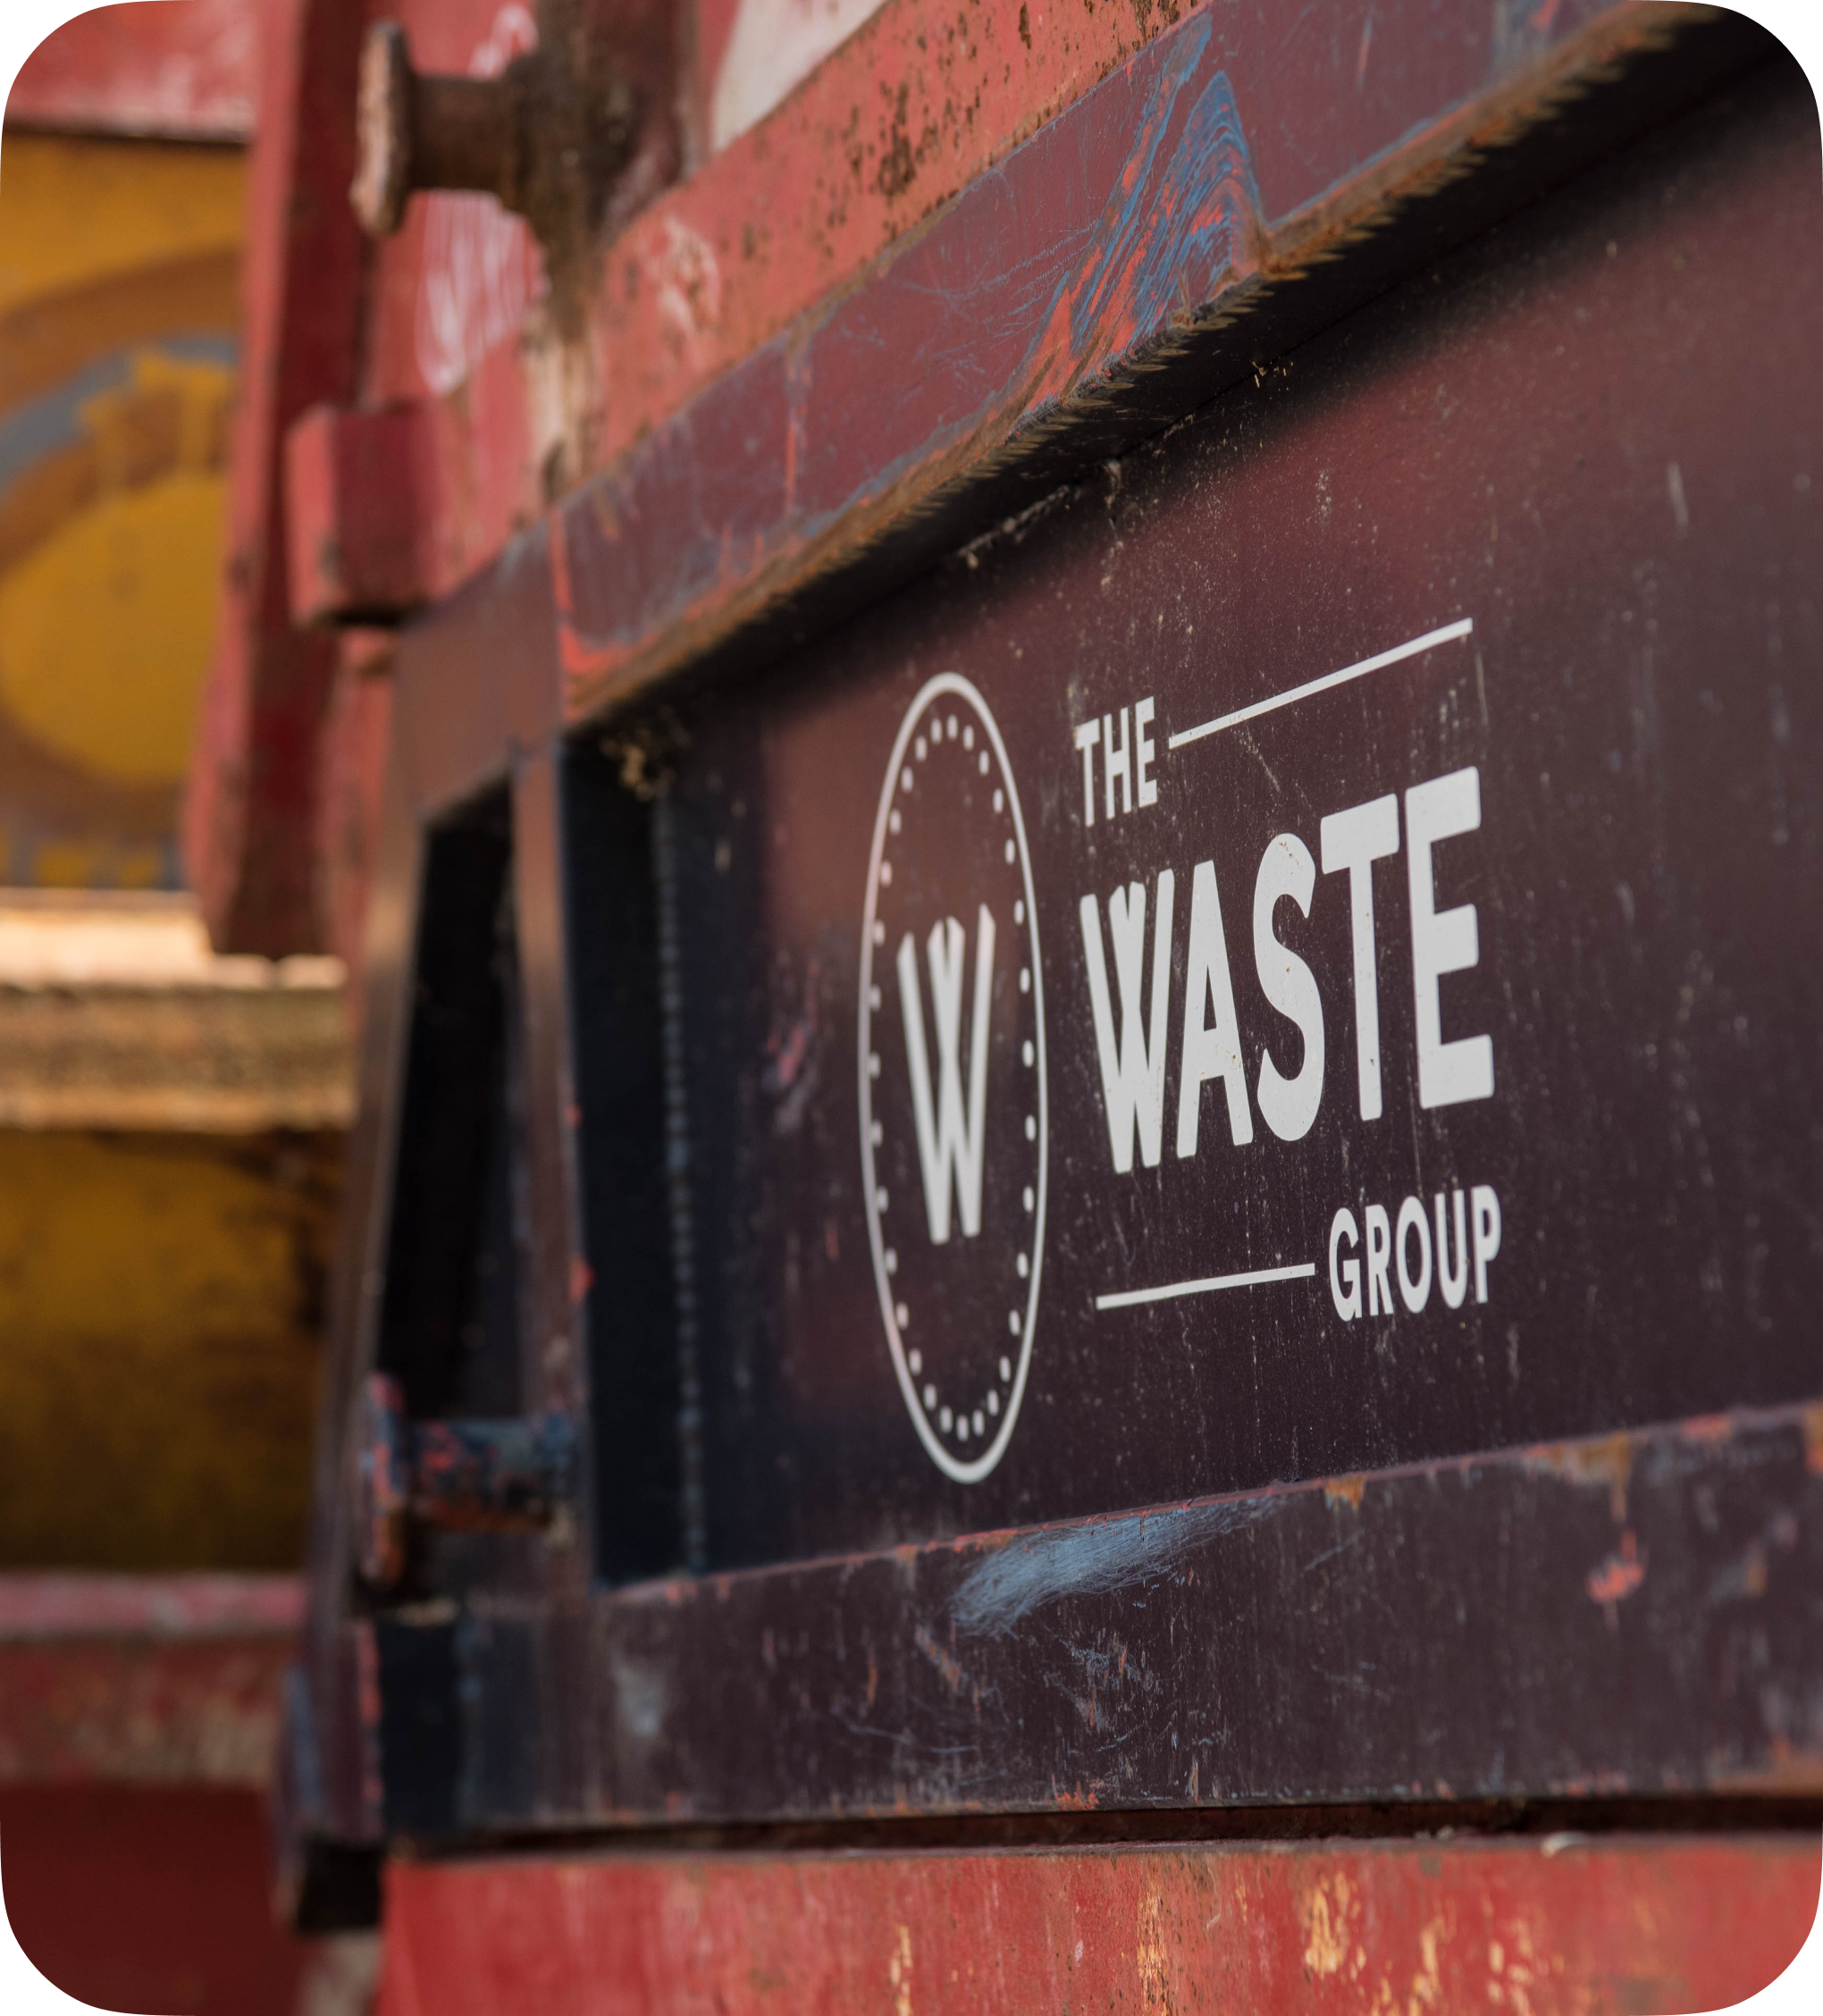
x=951, y=1060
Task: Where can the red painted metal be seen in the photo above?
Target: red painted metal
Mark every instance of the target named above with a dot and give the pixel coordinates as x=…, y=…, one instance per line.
x=172, y=69
x=359, y=512
x=251, y=817
x=352, y=776
x=1211, y=171
x=919, y=103
x=151, y=1897
x=911, y=109
x=101, y=1710
x=704, y=316
x=871, y=145
x=64, y=1605
x=511, y=1475
x=171, y=1679
x=1531, y=1926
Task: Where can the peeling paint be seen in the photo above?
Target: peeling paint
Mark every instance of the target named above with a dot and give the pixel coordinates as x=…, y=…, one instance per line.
x=899, y=1973
x=1328, y=1935
x=1680, y=1923
x=1617, y=1576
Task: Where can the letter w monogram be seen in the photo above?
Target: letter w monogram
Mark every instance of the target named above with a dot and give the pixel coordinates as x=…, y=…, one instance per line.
x=947, y=1142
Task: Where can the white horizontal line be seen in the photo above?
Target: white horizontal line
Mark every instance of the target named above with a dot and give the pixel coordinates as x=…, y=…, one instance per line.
x=1447, y=634
x=1130, y=1298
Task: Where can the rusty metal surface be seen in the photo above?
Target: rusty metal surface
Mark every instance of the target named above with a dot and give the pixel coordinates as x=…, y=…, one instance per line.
x=1591, y=1925
x=250, y=818
x=70, y=1606
x=694, y=298
x=699, y=273
x=1276, y=1568
x=1166, y=215
x=547, y=136
x=151, y=1713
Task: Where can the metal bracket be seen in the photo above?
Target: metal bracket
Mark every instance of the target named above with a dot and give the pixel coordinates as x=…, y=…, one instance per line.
x=453, y=1477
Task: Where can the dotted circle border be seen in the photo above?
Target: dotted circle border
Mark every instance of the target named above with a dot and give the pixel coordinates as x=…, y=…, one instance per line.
x=975, y=1470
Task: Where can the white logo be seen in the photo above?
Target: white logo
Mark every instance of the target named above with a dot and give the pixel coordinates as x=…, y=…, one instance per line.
x=953, y=1158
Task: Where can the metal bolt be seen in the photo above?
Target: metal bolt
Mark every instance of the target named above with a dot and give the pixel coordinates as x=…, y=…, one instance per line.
x=422, y=132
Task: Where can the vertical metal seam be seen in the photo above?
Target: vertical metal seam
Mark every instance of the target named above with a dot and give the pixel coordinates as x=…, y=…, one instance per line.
x=677, y=1186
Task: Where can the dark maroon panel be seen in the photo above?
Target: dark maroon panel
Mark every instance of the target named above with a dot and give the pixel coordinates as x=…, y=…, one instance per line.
x=1632, y=1616
x=1514, y=568
x=1588, y=814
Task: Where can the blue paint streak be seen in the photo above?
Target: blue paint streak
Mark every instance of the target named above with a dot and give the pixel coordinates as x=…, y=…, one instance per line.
x=1093, y=1559
x=1129, y=244
x=1159, y=260
x=54, y=420
x=1214, y=142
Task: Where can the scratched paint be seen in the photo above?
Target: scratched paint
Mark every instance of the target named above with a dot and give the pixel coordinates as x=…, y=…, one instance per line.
x=1538, y=1929
x=1548, y=1620
x=1427, y=1634
x=1035, y=298
x=1161, y=205
x=1342, y=115
x=1285, y=531
x=1100, y=1557
x=886, y=133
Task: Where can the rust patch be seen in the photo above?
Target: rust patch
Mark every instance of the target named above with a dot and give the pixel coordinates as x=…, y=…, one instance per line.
x=1790, y=1770
x=1152, y=1953
x=897, y=165
x=1345, y=1491
x=664, y=624
x=946, y=1663
x=1608, y=1461
x=1814, y=1438
x=1708, y=1430
x=1617, y=1577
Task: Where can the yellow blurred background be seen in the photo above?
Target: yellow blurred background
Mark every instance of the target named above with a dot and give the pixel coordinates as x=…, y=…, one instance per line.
x=167, y=1184
x=170, y=1119
x=119, y=262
